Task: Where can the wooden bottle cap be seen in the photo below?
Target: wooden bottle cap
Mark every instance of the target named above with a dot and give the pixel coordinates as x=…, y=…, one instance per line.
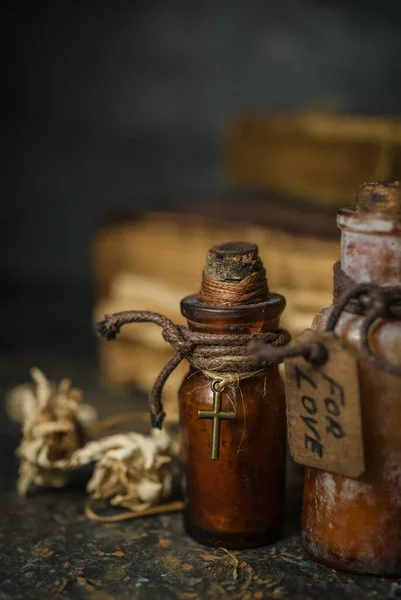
x=381, y=197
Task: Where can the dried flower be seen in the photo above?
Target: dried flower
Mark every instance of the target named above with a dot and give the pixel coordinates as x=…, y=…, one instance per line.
x=132, y=470
x=53, y=418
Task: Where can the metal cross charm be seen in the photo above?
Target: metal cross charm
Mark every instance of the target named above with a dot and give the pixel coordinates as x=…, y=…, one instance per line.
x=217, y=415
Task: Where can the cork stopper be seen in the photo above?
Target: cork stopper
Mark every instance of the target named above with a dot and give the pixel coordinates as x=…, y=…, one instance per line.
x=232, y=262
x=381, y=197
x=234, y=274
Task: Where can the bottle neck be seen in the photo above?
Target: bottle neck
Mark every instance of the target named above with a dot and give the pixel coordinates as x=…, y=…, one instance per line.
x=251, y=318
x=370, y=247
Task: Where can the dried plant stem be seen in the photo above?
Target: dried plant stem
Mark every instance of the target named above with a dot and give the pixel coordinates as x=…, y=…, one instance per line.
x=129, y=417
x=235, y=561
x=168, y=507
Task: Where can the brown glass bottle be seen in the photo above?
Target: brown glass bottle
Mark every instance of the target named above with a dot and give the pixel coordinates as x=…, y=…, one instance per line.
x=355, y=524
x=236, y=501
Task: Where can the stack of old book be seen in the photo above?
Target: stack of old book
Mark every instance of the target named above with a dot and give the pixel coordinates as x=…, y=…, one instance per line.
x=307, y=165
x=317, y=157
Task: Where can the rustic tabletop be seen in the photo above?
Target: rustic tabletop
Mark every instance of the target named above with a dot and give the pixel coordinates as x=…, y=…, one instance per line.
x=50, y=550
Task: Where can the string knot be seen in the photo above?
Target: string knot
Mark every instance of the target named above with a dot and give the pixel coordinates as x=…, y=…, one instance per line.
x=316, y=353
x=371, y=301
x=176, y=338
x=218, y=356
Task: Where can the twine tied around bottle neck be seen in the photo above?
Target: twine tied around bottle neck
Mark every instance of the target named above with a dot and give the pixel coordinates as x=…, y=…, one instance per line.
x=252, y=289
x=372, y=301
x=219, y=356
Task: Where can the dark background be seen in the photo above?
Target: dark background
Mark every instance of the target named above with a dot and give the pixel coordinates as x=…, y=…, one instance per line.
x=113, y=104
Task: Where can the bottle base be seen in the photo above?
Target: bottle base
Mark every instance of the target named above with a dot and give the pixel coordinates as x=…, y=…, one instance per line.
x=232, y=541
x=323, y=556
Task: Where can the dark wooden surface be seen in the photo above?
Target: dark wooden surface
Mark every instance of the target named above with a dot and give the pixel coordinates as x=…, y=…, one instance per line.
x=48, y=549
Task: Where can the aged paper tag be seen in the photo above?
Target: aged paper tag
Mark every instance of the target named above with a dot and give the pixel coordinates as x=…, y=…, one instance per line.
x=323, y=409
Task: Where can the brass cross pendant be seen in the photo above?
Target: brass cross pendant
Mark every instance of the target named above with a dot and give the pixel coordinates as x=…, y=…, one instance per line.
x=217, y=415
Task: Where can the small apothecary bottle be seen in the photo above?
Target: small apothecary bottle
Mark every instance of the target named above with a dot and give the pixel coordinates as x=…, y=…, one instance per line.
x=355, y=524
x=234, y=498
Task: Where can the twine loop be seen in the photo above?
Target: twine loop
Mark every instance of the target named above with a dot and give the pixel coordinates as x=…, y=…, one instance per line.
x=371, y=301
x=225, y=357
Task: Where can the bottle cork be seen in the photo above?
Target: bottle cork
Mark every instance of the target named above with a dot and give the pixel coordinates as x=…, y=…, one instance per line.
x=381, y=197
x=232, y=262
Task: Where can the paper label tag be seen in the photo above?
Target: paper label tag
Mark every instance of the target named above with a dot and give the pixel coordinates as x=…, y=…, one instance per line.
x=323, y=409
